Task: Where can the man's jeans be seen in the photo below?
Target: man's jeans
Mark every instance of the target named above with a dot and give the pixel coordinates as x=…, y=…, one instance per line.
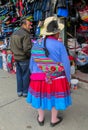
x=23, y=76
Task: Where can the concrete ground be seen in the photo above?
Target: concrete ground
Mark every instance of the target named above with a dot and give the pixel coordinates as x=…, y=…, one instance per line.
x=81, y=76
x=16, y=114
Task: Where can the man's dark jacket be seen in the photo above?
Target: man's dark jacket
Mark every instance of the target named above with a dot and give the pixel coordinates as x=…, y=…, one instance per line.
x=20, y=44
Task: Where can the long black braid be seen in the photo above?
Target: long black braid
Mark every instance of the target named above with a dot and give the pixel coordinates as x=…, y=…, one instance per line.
x=45, y=49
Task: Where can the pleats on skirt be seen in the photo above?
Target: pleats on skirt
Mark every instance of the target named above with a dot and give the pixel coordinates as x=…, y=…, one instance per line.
x=42, y=95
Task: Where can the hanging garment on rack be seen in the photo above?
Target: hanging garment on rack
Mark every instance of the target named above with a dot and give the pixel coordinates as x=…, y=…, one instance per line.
x=14, y=1
x=38, y=11
x=19, y=8
x=3, y=2
x=61, y=3
x=74, y=15
x=62, y=12
x=47, y=9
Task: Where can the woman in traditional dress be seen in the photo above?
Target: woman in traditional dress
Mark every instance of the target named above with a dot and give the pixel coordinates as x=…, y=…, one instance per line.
x=49, y=88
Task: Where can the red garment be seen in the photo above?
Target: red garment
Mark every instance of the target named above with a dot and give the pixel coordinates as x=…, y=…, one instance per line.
x=43, y=87
x=52, y=37
x=71, y=58
x=85, y=50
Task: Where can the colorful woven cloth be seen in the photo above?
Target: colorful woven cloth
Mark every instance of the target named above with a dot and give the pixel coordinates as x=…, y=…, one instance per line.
x=49, y=86
x=47, y=65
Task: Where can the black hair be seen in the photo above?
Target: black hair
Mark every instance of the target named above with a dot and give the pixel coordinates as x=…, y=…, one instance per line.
x=45, y=49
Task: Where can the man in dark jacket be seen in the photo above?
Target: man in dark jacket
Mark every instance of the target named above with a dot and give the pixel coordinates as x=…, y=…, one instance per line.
x=20, y=44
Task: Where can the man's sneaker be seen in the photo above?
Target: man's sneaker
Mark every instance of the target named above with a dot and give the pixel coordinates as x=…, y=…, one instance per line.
x=19, y=94
x=24, y=94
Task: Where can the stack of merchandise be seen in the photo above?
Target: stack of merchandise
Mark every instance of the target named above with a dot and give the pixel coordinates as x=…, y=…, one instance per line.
x=4, y=60
x=0, y=60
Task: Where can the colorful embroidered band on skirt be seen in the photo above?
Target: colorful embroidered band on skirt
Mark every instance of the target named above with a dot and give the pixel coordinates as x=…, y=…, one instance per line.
x=46, y=96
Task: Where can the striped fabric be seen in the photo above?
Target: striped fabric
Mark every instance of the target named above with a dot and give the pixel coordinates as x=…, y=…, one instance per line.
x=49, y=88
x=47, y=65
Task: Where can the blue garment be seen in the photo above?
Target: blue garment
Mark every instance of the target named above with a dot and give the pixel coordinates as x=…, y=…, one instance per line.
x=48, y=104
x=57, y=52
x=22, y=75
x=80, y=57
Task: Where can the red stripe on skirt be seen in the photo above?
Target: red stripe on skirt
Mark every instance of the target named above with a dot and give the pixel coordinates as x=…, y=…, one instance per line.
x=58, y=85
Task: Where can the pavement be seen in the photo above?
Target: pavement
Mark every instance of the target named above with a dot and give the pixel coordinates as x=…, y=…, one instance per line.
x=81, y=76
x=16, y=114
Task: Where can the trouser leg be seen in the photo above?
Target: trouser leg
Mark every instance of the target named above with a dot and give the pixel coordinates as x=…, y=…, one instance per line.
x=19, y=78
x=25, y=76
